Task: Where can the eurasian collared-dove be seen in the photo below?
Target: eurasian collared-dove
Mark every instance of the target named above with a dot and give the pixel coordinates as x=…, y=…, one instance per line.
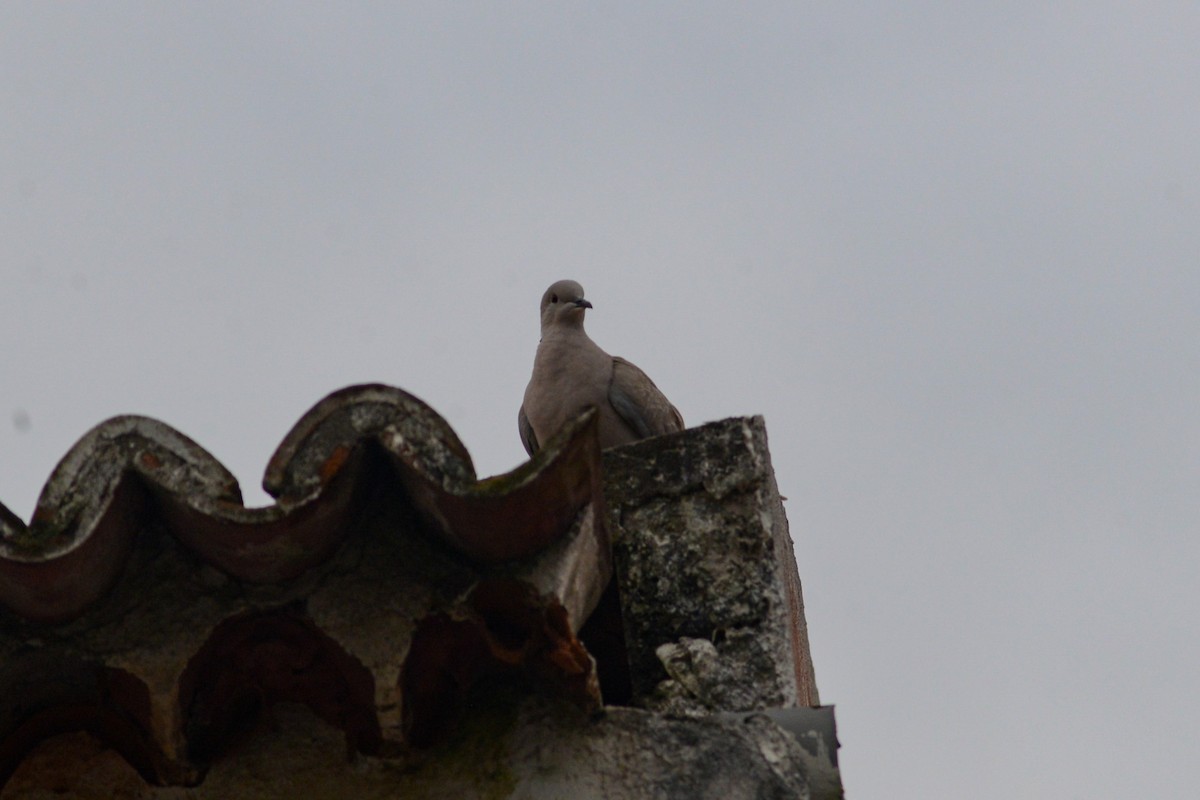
x=570, y=373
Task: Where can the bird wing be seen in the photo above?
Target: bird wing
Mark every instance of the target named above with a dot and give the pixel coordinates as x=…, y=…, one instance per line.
x=528, y=438
x=639, y=403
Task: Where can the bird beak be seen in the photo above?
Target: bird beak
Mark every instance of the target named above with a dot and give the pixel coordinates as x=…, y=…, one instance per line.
x=581, y=303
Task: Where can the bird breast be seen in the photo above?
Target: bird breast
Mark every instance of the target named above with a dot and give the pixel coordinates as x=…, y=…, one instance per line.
x=567, y=378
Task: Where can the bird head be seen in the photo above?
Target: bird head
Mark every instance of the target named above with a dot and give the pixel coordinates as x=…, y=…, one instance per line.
x=563, y=304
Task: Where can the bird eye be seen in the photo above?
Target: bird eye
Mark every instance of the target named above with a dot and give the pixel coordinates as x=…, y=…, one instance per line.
x=553, y=298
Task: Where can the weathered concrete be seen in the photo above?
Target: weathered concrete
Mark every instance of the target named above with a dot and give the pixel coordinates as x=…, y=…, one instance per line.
x=714, y=617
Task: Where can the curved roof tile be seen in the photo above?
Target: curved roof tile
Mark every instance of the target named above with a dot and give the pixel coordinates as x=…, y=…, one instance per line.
x=132, y=471
x=111, y=622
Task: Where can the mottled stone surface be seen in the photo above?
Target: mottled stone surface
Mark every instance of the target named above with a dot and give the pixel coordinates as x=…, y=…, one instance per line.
x=713, y=614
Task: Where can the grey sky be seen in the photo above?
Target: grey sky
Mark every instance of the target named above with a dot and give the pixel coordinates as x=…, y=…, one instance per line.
x=949, y=250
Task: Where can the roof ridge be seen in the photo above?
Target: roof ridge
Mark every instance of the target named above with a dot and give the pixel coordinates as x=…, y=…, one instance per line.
x=129, y=472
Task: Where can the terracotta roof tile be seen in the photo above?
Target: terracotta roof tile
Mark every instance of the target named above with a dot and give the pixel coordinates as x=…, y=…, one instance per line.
x=146, y=604
x=129, y=468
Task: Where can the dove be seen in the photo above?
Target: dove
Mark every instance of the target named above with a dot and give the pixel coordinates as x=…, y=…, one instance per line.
x=571, y=372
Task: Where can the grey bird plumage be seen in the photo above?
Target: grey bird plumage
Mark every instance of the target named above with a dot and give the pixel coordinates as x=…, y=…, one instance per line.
x=571, y=372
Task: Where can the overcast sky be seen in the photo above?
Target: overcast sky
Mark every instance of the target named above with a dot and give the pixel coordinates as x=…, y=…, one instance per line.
x=950, y=251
